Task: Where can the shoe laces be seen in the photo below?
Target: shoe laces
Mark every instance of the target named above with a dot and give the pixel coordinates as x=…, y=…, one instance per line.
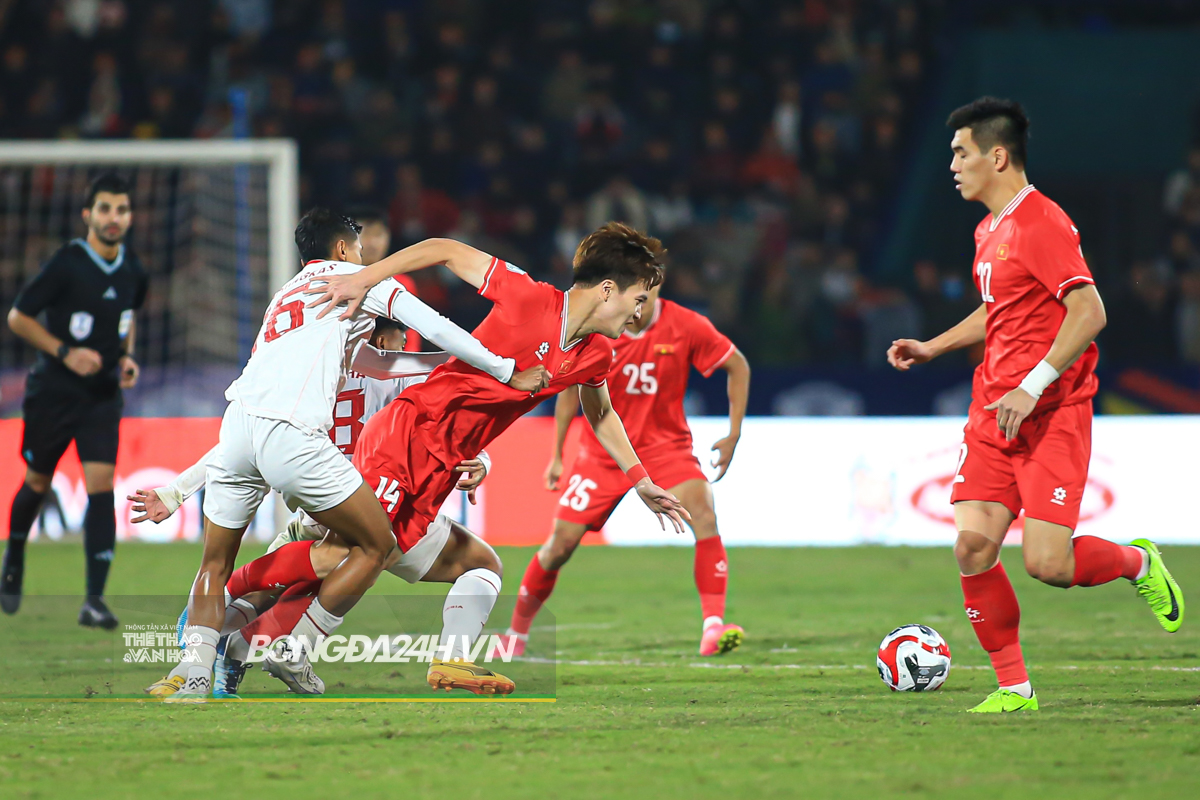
x=1154, y=592
x=235, y=671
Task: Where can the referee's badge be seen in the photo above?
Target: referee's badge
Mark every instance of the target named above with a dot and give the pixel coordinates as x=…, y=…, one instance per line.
x=126, y=321
x=81, y=325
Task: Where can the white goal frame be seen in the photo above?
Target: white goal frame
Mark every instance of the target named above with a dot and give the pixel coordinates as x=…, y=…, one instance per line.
x=279, y=155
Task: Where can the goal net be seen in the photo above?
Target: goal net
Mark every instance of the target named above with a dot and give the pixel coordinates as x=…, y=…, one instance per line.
x=212, y=226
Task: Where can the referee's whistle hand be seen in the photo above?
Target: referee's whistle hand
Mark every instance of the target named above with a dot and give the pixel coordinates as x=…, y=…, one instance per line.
x=83, y=361
x=129, y=372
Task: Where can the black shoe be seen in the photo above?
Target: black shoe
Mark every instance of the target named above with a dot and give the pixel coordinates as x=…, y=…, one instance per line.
x=10, y=583
x=95, y=614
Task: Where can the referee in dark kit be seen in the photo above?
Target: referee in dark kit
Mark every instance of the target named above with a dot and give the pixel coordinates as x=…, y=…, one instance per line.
x=89, y=291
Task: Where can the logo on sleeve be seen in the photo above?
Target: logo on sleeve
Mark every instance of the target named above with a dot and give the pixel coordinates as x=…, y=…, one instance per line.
x=81, y=325
x=511, y=268
x=543, y=348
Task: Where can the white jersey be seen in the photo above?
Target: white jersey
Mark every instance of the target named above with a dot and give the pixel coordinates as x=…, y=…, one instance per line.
x=360, y=398
x=300, y=362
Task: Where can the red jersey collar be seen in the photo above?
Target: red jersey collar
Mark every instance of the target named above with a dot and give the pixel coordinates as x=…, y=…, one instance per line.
x=1011, y=207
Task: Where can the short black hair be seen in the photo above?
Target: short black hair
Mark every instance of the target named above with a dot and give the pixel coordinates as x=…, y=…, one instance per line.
x=387, y=324
x=994, y=121
x=108, y=182
x=319, y=229
x=365, y=215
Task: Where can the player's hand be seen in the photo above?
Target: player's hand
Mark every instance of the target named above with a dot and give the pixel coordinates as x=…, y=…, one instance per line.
x=724, y=449
x=130, y=372
x=531, y=380
x=83, y=361
x=554, y=471
x=149, y=505
x=475, y=471
x=338, y=289
x=905, y=352
x=663, y=504
x=1011, y=410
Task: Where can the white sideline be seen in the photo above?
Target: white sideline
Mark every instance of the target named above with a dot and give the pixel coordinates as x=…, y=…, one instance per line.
x=714, y=665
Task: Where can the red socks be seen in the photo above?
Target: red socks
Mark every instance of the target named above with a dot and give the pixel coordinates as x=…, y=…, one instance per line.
x=992, y=607
x=1100, y=561
x=536, y=586
x=288, y=565
x=712, y=575
x=281, y=619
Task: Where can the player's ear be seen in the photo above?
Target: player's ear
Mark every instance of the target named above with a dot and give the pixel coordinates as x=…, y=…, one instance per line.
x=1000, y=158
x=606, y=288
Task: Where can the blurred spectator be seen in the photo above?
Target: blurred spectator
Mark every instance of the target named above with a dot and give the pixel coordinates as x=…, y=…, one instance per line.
x=418, y=212
x=1181, y=183
x=618, y=200
x=1142, y=319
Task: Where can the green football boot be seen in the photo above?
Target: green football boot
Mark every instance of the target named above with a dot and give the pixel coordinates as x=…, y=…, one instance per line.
x=1159, y=589
x=1002, y=700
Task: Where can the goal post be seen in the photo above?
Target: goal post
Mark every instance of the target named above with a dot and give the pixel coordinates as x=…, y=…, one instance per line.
x=213, y=224
x=278, y=155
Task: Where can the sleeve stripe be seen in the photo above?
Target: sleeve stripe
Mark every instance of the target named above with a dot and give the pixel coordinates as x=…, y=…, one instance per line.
x=1067, y=284
x=390, y=299
x=487, y=278
x=716, y=364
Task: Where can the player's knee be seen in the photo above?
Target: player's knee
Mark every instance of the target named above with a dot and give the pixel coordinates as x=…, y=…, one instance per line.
x=974, y=552
x=1052, y=570
x=704, y=523
x=557, y=552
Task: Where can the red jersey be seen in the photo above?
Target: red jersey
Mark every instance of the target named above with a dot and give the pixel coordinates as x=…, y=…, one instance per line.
x=1026, y=260
x=458, y=410
x=649, y=377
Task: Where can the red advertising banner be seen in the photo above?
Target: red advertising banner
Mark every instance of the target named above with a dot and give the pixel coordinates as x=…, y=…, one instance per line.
x=514, y=508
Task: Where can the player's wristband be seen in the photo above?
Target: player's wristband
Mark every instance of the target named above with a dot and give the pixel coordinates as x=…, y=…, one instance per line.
x=64, y=350
x=1039, y=378
x=636, y=473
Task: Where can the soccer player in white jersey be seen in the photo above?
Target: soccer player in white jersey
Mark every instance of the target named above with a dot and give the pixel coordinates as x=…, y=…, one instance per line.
x=274, y=435
x=375, y=379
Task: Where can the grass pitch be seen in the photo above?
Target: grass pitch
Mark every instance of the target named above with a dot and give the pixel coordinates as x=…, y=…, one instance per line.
x=797, y=711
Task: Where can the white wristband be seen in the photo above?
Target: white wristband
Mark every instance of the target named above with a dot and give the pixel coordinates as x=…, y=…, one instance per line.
x=1039, y=378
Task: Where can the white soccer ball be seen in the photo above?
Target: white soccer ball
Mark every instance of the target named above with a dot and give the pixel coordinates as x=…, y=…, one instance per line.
x=913, y=658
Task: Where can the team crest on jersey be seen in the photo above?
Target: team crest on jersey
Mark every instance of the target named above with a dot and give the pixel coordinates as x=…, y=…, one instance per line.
x=1002, y=252
x=81, y=325
x=563, y=367
x=664, y=349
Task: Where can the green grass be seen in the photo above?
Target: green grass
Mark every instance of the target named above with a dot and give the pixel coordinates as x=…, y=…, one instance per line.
x=798, y=711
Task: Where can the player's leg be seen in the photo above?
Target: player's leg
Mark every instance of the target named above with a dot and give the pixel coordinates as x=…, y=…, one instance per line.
x=1052, y=480
x=475, y=571
x=540, y=577
x=710, y=568
x=96, y=439
x=361, y=523
x=990, y=602
x=47, y=431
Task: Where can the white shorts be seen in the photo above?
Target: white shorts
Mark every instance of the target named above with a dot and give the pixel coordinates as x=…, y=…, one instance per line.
x=412, y=566
x=256, y=454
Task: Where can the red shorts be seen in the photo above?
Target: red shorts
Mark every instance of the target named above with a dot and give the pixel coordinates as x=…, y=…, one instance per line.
x=408, y=480
x=595, y=484
x=1043, y=470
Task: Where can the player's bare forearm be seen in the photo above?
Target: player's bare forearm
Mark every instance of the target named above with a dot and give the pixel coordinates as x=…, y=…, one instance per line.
x=737, y=388
x=607, y=425
x=971, y=330
x=466, y=262
x=33, y=332
x=1084, y=320
x=565, y=406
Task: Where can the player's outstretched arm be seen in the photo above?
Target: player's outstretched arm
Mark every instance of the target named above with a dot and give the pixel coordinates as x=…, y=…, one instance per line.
x=565, y=407
x=384, y=365
x=737, y=387
x=404, y=307
x=905, y=352
x=159, y=504
x=463, y=260
x=609, y=430
x=1084, y=320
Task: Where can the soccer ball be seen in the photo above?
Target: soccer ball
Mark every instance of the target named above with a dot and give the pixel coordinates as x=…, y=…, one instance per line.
x=913, y=658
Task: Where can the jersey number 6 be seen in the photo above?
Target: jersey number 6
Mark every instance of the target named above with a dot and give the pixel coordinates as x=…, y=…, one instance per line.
x=294, y=310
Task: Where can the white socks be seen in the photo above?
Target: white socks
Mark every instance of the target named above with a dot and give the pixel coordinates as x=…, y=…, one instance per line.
x=238, y=614
x=1024, y=689
x=467, y=607
x=1145, y=564
x=315, y=624
x=200, y=650
x=709, y=622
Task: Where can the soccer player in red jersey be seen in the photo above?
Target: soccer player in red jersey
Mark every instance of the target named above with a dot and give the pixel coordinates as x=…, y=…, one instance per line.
x=648, y=381
x=1028, y=436
x=408, y=451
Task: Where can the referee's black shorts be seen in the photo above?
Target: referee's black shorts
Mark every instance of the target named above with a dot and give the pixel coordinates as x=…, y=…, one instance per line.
x=54, y=418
